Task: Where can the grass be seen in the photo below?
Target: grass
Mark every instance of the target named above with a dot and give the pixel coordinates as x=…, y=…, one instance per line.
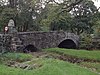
x=93, y=55
x=92, y=66
x=50, y=67
x=21, y=57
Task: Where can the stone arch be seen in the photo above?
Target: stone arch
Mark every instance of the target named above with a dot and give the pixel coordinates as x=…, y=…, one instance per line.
x=68, y=43
x=30, y=48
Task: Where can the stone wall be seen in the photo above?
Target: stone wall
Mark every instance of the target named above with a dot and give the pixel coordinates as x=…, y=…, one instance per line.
x=39, y=40
x=46, y=39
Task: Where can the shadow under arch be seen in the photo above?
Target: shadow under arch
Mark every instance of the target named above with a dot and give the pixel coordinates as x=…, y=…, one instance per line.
x=68, y=43
x=30, y=48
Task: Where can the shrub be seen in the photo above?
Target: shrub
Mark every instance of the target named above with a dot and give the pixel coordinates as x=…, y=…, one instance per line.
x=86, y=42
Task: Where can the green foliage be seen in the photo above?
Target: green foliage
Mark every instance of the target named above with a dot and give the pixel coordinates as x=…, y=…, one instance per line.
x=48, y=15
x=61, y=23
x=93, y=55
x=96, y=28
x=29, y=15
x=24, y=17
x=79, y=20
x=5, y=15
x=83, y=17
x=55, y=20
x=86, y=41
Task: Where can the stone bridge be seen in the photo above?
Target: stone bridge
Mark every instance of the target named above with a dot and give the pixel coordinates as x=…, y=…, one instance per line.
x=39, y=40
x=53, y=39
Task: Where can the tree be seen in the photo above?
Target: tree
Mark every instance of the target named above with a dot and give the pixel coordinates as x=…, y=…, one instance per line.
x=53, y=9
x=40, y=14
x=62, y=22
x=96, y=26
x=5, y=15
x=66, y=5
x=12, y=3
x=22, y=12
x=83, y=15
x=80, y=20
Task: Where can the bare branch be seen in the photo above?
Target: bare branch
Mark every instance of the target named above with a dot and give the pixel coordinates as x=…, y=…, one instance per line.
x=68, y=6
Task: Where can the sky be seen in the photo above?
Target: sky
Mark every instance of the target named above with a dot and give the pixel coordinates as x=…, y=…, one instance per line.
x=97, y=3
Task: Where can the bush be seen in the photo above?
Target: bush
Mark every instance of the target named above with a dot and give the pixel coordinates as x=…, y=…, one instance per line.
x=86, y=42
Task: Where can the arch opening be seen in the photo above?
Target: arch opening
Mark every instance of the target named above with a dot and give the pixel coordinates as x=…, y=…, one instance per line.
x=69, y=44
x=30, y=48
